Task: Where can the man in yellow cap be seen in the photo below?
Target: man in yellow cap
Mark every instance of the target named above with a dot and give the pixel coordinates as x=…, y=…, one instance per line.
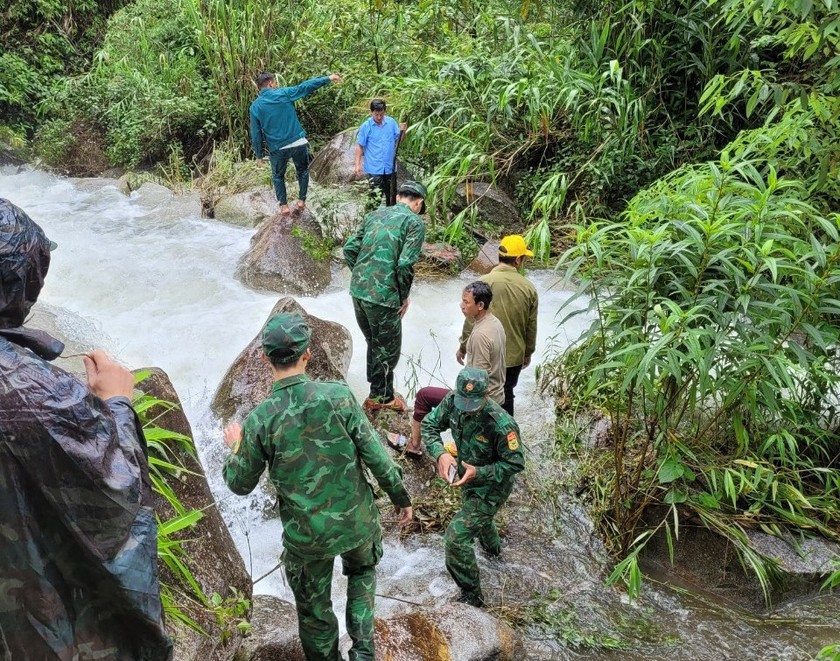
x=515, y=305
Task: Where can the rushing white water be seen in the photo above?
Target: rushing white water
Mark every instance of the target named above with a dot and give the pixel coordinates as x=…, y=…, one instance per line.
x=156, y=282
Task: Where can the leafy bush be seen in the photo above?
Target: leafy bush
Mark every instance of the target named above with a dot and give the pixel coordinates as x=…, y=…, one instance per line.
x=714, y=352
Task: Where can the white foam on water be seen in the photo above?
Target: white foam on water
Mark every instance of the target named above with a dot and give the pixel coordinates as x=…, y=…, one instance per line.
x=159, y=282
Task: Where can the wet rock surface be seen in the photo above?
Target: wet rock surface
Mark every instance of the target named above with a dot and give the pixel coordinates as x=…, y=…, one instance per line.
x=274, y=632
x=248, y=208
x=486, y=259
x=493, y=206
x=248, y=380
x=335, y=164
x=441, y=257
x=211, y=554
x=278, y=259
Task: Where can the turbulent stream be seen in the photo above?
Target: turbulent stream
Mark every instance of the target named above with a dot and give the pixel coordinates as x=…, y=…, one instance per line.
x=152, y=282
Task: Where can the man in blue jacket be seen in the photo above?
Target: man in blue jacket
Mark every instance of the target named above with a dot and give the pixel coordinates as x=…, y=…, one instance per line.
x=275, y=124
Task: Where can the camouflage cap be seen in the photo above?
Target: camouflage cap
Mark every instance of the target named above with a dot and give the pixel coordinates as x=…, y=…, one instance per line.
x=413, y=188
x=285, y=337
x=471, y=389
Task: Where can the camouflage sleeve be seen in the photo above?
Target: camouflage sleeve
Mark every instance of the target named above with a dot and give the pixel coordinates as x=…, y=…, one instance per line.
x=465, y=334
x=354, y=245
x=383, y=468
x=242, y=469
x=409, y=255
x=510, y=459
x=433, y=424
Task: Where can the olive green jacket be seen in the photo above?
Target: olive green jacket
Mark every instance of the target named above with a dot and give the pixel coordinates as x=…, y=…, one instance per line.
x=515, y=305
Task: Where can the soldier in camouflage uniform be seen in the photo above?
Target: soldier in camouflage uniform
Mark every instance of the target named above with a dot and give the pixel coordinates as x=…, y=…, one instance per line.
x=489, y=457
x=78, y=537
x=381, y=255
x=315, y=440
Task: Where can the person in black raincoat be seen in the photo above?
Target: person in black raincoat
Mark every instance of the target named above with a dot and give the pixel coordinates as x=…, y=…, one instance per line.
x=78, y=537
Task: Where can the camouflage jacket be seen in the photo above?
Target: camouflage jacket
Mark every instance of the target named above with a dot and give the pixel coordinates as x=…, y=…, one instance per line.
x=382, y=254
x=314, y=438
x=78, y=537
x=488, y=440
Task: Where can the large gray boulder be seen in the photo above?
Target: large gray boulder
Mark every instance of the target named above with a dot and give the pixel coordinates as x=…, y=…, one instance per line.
x=248, y=381
x=247, y=209
x=210, y=553
x=274, y=632
x=335, y=164
x=486, y=259
x=278, y=259
x=493, y=206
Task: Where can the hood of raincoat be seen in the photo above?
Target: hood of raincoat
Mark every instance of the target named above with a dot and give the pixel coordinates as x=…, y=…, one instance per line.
x=24, y=261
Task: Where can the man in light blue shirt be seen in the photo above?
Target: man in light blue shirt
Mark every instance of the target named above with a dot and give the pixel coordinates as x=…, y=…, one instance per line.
x=376, y=145
x=275, y=123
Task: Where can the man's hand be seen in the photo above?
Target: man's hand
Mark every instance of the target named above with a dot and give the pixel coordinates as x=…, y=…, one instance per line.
x=444, y=463
x=334, y=77
x=233, y=434
x=358, y=170
x=469, y=475
x=459, y=356
x=106, y=378
x=403, y=127
x=405, y=514
x=404, y=307
x=527, y=361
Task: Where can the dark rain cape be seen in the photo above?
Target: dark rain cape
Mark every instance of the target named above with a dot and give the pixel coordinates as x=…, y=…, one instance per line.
x=78, y=537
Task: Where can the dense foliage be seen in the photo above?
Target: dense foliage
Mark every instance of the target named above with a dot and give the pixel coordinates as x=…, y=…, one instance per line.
x=716, y=296
x=688, y=151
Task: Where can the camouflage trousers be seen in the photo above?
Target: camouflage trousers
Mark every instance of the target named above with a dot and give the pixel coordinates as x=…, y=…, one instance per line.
x=473, y=520
x=311, y=582
x=382, y=328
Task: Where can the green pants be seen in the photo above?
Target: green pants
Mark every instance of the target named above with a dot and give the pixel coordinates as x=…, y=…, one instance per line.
x=311, y=581
x=473, y=520
x=382, y=328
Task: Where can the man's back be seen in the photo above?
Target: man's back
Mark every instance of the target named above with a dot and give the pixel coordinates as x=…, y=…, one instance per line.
x=486, y=350
x=515, y=305
x=382, y=255
x=312, y=435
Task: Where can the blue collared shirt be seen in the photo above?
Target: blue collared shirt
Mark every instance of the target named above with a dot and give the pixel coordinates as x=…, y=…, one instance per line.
x=379, y=142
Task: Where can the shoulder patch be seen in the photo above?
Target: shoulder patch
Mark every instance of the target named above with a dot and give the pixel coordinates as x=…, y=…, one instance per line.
x=512, y=441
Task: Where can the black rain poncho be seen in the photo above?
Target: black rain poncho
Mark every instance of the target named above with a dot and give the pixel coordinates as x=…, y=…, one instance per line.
x=78, y=537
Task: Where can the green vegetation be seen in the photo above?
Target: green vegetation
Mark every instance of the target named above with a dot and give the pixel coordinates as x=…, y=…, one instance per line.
x=683, y=157
x=181, y=595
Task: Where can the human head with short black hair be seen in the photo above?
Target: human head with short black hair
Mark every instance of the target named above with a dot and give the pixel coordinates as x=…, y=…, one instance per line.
x=413, y=194
x=377, y=105
x=265, y=79
x=481, y=293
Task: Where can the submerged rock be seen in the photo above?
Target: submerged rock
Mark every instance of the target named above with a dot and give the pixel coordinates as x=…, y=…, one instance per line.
x=248, y=380
x=210, y=553
x=279, y=258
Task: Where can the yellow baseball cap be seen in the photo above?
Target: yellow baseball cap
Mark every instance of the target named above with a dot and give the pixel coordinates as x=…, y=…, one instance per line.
x=513, y=245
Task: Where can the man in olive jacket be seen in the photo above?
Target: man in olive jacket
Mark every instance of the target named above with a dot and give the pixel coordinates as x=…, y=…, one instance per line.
x=381, y=255
x=489, y=457
x=515, y=304
x=315, y=439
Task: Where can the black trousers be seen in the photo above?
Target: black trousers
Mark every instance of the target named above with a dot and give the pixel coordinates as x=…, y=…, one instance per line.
x=380, y=186
x=511, y=379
